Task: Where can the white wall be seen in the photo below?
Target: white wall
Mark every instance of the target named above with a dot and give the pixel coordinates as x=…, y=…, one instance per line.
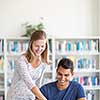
x=99, y=17
x=61, y=17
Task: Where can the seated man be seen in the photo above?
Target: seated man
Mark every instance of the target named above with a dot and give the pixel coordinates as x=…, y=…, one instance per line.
x=64, y=88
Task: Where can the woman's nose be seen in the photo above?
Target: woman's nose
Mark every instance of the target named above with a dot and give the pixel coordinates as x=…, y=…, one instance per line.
x=39, y=48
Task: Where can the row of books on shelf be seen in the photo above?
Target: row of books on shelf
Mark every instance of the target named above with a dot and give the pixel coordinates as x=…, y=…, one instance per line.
x=9, y=81
x=12, y=65
x=1, y=87
x=84, y=80
x=90, y=95
x=17, y=46
x=1, y=46
x=2, y=97
x=1, y=78
x=44, y=81
x=88, y=80
x=1, y=82
x=82, y=63
x=1, y=63
x=78, y=45
x=86, y=63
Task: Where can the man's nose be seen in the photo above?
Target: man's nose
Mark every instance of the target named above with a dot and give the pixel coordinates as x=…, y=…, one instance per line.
x=62, y=77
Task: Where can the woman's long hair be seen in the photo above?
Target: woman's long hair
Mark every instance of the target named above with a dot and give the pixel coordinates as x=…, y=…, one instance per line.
x=37, y=35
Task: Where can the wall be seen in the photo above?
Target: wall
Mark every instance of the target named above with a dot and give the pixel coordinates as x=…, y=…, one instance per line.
x=61, y=17
x=99, y=17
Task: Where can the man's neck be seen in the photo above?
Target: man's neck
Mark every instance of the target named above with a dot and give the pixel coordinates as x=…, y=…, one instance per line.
x=62, y=87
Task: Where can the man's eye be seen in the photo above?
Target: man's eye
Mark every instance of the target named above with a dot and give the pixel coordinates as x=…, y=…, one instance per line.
x=67, y=75
x=59, y=74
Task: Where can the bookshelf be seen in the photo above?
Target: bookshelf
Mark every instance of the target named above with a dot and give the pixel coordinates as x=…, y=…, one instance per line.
x=13, y=48
x=84, y=51
x=2, y=75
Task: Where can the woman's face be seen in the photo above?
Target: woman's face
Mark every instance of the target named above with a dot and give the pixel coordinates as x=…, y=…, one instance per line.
x=39, y=46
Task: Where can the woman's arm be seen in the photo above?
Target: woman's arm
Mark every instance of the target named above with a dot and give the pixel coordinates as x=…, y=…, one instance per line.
x=36, y=99
x=22, y=68
x=38, y=93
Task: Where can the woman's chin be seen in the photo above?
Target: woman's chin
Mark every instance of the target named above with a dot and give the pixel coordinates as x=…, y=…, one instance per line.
x=38, y=55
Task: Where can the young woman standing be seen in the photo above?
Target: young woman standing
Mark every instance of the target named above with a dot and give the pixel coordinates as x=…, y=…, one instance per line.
x=29, y=69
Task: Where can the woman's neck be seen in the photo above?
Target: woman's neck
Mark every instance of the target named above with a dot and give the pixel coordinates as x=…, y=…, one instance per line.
x=36, y=62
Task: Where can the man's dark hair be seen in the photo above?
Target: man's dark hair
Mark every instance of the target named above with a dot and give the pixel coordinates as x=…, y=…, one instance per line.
x=66, y=63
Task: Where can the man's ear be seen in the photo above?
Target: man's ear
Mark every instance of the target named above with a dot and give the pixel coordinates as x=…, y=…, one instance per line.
x=72, y=73
x=72, y=76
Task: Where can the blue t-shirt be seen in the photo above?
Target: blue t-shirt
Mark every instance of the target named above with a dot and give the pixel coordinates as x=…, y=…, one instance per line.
x=73, y=92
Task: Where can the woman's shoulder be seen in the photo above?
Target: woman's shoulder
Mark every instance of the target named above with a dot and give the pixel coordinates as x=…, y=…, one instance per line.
x=21, y=58
x=44, y=65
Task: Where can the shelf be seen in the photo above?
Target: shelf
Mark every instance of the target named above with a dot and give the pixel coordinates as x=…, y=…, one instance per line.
x=77, y=53
x=87, y=71
x=92, y=88
x=1, y=72
x=84, y=54
x=14, y=54
x=2, y=89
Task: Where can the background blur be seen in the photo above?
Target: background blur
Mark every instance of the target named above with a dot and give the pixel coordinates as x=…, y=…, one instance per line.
x=61, y=17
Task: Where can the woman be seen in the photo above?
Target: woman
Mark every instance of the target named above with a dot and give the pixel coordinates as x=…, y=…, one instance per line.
x=29, y=69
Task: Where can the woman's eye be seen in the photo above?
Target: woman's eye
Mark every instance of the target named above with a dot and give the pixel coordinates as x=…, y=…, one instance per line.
x=36, y=46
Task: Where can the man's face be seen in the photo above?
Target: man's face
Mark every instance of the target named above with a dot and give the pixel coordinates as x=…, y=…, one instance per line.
x=64, y=76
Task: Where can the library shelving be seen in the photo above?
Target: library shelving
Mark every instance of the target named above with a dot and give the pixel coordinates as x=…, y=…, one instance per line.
x=12, y=48
x=84, y=51
x=2, y=75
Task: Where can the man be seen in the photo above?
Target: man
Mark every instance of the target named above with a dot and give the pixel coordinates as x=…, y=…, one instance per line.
x=64, y=88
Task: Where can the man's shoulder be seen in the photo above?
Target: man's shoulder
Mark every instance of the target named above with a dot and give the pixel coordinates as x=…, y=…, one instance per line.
x=50, y=84
x=76, y=84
